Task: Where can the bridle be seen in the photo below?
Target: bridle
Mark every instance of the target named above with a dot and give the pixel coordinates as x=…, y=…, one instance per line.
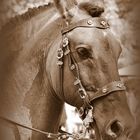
x=85, y=111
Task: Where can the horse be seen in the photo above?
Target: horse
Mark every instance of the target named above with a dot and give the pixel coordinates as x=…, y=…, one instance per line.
x=55, y=54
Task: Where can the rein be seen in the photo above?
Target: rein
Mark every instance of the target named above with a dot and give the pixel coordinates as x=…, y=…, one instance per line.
x=60, y=136
x=85, y=111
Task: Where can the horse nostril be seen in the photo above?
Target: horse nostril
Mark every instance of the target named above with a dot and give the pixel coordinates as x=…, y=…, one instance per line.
x=115, y=129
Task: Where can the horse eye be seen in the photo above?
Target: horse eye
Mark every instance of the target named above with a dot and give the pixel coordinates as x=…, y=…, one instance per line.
x=84, y=52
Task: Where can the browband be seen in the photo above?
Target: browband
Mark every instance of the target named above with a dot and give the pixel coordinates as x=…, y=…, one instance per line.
x=100, y=23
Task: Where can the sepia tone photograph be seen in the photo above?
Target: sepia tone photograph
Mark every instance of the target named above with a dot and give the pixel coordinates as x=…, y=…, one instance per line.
x=69, y=70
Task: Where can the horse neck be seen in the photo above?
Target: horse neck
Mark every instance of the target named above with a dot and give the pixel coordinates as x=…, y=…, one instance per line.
x=53, y=107
x=52, y=71
x=23, y=76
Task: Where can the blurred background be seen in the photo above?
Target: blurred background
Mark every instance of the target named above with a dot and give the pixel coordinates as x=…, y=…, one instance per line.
x=124, y=20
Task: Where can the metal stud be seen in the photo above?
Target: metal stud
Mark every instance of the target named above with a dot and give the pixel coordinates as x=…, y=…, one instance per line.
x=104, y=90
x=119, y=85
x=103, y=23
x=90, y=22
x=72, y=67
x=65, y=42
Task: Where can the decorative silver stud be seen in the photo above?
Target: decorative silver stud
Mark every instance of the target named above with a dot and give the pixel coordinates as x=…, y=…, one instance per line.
x=103, y=23
x=65, y=42
x=59, y=53
x=72, y=67
x=104, y=90
x=89, y=22
x=119, y=85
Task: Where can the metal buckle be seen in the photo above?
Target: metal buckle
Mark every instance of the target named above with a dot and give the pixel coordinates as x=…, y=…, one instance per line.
x=72, y=67
x=82, y=93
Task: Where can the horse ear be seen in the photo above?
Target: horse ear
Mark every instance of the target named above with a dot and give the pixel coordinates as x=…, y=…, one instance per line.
x=61, y=6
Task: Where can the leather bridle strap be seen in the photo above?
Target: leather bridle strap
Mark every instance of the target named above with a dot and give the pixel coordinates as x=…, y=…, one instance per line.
x=108, y=89
x=87, y=23
x=102, y=92
x=59, y=136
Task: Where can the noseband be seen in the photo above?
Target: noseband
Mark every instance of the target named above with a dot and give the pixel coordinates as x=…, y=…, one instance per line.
x=85, y=111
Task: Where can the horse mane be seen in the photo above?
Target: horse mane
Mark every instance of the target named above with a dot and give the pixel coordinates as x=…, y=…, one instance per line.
x=31, y=12
x=15, y=50
x=12, y=37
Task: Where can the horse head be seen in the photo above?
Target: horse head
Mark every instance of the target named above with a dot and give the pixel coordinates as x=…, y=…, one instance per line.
x=88, y=73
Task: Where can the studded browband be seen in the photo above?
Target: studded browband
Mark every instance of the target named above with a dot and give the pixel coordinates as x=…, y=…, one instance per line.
x=100, y=23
